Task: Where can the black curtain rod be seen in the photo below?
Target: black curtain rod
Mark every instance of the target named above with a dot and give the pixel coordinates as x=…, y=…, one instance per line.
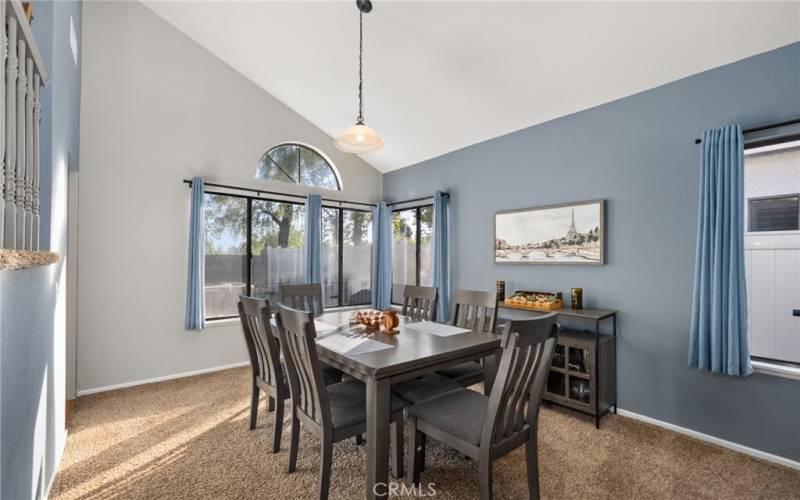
x=276, y=193
x=413, y=200
x=763, y=127
x=300, y=196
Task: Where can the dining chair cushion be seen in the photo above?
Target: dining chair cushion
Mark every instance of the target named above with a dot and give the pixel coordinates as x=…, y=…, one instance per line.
x=425, y=387
x=462, y=371
x=460, y=413
x=349, y=403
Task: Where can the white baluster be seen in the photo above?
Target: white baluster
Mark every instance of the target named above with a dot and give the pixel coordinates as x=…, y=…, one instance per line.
x=37, y=118
x=29, y=170
x=3, y=54
x=19, y=198
x=9, y=193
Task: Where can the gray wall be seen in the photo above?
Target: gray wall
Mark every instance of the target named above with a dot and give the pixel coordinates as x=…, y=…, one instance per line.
x=157, y=108
x=32, y=375
x=639, y=154
x=60, y=127
x=32, y=302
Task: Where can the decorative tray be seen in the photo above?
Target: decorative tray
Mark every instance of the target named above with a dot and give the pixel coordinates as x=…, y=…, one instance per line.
x=374, y=319
x=536, y=301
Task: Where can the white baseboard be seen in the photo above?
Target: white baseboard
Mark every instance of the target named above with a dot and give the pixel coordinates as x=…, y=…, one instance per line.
x=763, y=455
x=86, y=392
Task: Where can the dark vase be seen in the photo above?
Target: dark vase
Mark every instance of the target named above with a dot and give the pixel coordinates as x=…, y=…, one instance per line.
x=577, y=298
x=501, y=290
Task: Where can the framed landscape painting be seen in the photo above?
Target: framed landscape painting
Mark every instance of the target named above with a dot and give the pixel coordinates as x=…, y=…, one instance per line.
x=571, y=233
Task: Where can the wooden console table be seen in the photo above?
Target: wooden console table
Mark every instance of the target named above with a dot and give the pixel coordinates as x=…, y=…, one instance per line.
x=583, y=375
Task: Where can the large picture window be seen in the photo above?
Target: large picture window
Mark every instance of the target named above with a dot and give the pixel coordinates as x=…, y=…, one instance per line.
x=226, y=254
x=347, y=250
x=254, y=245
x=411, y=249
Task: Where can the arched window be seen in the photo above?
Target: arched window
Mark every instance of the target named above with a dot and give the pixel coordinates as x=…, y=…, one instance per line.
x=298, y=164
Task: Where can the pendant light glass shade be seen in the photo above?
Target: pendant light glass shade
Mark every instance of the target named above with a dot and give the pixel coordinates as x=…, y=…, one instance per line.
x=359, y=139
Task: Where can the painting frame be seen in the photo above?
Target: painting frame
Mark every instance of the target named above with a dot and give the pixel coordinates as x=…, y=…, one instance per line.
x=600, y=261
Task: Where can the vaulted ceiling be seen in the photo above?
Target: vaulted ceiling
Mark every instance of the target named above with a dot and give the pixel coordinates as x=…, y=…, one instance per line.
x=440, y=76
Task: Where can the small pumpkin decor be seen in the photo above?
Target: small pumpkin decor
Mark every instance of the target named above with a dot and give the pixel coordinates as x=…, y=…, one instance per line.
x=390, y=321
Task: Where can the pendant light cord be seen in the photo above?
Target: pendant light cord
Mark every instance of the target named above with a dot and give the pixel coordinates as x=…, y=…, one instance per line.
x=360, y=119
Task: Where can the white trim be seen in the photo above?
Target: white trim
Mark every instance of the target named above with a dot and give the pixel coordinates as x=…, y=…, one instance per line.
x=775, y=369
x=57, y=464
x=86, y=392
x=763, y=455
x=217, y=323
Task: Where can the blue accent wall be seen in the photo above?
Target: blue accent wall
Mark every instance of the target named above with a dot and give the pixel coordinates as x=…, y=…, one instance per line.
x=638, y=153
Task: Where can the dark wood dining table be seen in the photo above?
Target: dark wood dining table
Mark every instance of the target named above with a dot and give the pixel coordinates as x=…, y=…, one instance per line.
x=413, y=353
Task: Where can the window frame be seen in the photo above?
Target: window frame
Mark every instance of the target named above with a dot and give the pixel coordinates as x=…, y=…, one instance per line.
x=249, y=245
x=417, y=242
x=302, y=145
x=771, y=366
x=340, y=256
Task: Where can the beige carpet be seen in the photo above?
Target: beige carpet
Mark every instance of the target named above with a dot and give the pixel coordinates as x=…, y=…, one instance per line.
x=189, y=439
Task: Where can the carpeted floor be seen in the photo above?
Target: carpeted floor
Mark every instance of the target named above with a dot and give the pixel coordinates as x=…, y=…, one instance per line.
x=189, y=438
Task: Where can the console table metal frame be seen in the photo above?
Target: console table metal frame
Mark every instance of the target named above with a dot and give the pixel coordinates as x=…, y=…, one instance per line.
x=596, y=316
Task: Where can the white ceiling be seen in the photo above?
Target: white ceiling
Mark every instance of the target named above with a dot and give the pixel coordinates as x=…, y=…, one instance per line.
x=440, y=76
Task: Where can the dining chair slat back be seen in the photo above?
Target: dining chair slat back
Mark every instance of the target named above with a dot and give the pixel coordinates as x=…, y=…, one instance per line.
x=261, y=344
x=475, y=310
x=306, y=383
x=419, y=302
x=516, y=396
x=306, y=297
x=265, y=361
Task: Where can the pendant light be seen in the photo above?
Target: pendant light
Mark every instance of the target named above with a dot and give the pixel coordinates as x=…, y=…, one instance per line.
x=360, y=138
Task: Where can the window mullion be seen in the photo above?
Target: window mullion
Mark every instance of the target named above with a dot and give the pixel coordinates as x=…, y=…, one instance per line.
x=299, y=167
x=417, y=249
x=341, y=257
x=249, y=247
x=281, y=168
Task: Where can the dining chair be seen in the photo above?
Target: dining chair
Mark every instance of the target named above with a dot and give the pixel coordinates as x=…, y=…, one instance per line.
x=475, y=310
x=307, y=297
x=332, y=413
x=419, y=302
x=267, y=371
x=500, y=422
